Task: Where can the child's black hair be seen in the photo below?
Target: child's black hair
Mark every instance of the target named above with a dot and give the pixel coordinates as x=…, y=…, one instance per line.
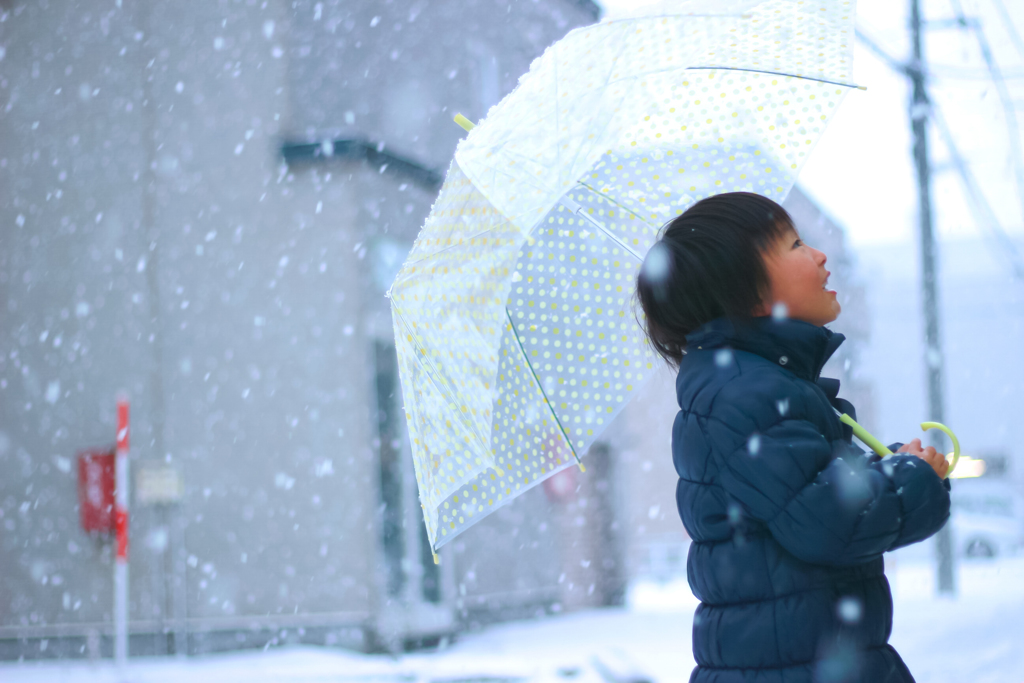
x=708, y=264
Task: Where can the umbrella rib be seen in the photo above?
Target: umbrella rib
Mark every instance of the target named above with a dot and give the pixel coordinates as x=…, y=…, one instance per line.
x=540, y=387
x=577, y=210
x=558, y=149
x=441, y=251
x=439, y=388
x=607, y=80
x=426, y=357
x=776, y=73
x=611, y=200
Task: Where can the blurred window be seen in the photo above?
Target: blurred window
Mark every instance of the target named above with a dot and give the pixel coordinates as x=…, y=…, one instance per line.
x=392, y=508
x=406, y=548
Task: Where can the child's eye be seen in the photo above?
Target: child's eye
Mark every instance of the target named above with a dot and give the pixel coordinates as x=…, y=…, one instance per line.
x=798, y=243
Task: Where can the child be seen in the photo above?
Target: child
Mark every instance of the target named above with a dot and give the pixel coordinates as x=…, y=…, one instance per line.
x=788, y=518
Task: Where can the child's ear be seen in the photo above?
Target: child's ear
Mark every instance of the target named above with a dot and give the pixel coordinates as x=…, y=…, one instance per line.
x=765, y=307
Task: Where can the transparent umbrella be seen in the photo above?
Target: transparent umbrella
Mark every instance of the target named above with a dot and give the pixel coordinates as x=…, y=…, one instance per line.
x=516, y=337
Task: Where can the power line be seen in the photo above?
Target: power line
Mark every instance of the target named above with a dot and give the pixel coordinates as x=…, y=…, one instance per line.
x=880, y=52
x=937, y=72
x=1009, y=111
x=1010, y=28
x=979, y=204
x=982, y=210
x=952, y=72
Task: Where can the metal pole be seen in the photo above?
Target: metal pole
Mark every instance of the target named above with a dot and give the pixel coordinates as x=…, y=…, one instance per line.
x=170, y=571
x=121, y=530
x=933, y=355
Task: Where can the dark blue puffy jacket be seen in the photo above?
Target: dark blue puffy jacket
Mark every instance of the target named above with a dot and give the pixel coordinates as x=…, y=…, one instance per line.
x=788, y=518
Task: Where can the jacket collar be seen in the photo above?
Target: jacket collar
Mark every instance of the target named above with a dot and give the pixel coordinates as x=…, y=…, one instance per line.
x=795, y=345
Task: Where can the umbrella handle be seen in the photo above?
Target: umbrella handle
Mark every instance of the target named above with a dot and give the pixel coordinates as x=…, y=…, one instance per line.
x=864, y=435
x=925, y=426
x=874, y=444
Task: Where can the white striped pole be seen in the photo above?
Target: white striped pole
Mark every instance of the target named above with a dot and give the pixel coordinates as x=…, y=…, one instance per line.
x=121, y=530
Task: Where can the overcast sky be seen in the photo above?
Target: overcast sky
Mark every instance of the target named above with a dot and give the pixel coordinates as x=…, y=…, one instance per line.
x=861, y=171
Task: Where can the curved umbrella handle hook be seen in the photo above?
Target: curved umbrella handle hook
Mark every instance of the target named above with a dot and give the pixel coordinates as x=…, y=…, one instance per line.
x=877, y=446
x=925, y=426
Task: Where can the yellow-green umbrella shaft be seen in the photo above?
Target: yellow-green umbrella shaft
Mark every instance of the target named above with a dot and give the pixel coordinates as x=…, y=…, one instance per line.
x=878, y=447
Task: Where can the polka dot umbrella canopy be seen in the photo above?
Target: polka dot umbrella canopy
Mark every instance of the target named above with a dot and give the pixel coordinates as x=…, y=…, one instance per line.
x=517, y=339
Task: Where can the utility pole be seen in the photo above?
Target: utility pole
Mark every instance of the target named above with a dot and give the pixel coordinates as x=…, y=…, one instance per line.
x=919, y=107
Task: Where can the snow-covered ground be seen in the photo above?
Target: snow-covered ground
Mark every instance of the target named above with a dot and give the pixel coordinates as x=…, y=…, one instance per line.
x=976, y=637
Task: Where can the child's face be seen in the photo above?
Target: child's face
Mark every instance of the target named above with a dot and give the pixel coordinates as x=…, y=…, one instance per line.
x=798, y=279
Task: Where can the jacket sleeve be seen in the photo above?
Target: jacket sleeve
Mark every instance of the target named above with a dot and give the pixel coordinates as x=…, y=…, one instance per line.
x=821, y=508
x=923, y=508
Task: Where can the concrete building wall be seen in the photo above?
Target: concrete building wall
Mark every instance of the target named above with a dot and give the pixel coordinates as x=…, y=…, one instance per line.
x=152, y=240
x=76, y=317
x=429, y=62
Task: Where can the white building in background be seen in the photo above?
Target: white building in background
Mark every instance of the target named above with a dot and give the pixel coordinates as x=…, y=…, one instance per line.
x=153, y=238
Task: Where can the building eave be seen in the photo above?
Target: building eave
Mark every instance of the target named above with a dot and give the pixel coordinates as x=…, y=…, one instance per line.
x=590, y=7
x=361, y=149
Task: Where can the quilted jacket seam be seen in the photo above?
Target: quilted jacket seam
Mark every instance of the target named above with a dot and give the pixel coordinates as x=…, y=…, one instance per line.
x=903, y=511
x=698, y=483
x=785, y=504
x=874, y=501
x=795, y=665
x=814, y=589
x=775, y=601
x=768, y=369
x=784, y=508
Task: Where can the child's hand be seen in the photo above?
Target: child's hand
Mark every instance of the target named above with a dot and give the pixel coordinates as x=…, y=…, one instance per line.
x=929, y=455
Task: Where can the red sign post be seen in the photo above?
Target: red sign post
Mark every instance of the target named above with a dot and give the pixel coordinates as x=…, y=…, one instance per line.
x=103, y=505
x=96, y=490
x=121, y=531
